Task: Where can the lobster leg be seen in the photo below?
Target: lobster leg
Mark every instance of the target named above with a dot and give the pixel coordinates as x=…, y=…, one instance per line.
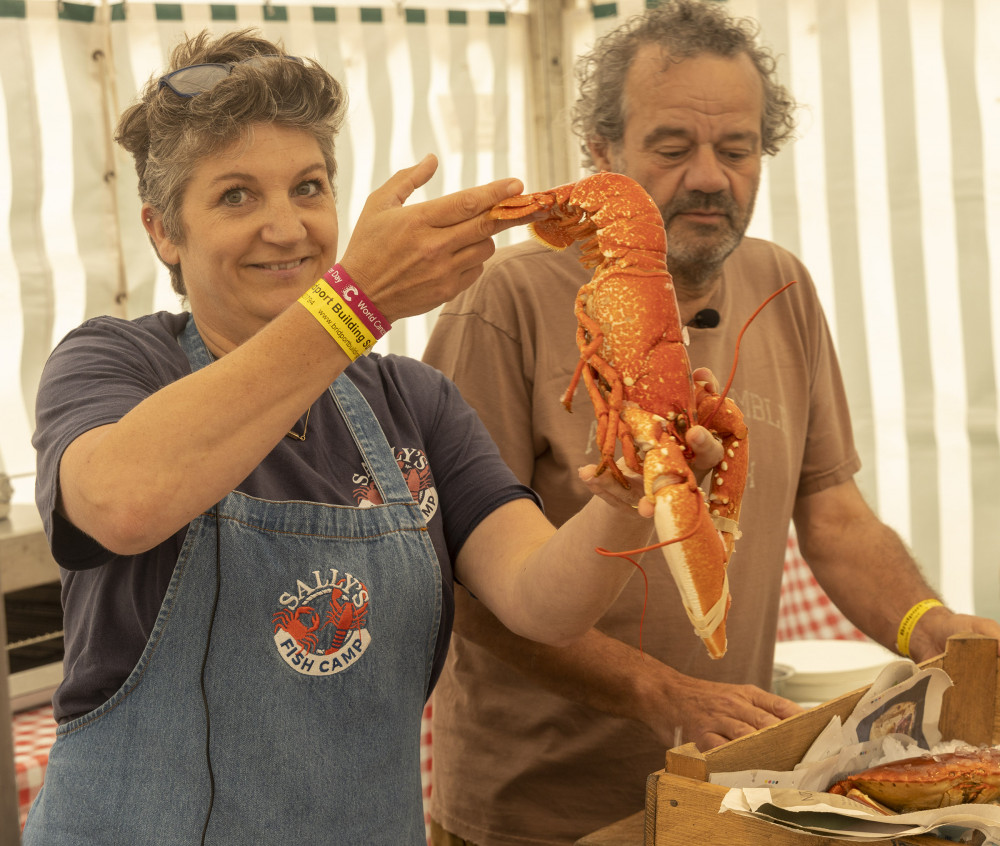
x=587, y=347
x=610, y=427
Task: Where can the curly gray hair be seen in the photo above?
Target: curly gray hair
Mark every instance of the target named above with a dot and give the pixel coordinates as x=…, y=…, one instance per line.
x=169, y=135
x=683, y=28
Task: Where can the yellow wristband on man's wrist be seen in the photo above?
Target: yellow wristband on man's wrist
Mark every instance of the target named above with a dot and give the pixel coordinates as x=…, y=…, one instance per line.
x=909, y=623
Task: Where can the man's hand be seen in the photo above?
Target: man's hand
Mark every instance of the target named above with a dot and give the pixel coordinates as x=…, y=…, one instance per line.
x=709, y=713
x=930, y=637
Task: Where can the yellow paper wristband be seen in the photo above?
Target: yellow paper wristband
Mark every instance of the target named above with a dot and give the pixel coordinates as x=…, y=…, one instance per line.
x=337, y=317
x=909, y=623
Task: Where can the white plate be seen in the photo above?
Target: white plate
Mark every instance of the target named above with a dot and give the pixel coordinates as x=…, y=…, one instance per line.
x=824, y=669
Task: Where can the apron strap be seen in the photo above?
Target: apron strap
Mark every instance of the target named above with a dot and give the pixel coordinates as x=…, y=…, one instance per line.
x=371, y=441
x=353, y=407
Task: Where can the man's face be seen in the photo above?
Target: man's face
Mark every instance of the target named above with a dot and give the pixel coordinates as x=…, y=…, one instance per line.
x=692, y=140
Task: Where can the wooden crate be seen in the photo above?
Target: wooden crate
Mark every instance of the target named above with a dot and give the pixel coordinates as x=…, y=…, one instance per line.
x=683, y=808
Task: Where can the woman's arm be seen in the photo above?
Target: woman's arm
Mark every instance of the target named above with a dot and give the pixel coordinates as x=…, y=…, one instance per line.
x=129, y=484
x=551, y=585
x=134, y=483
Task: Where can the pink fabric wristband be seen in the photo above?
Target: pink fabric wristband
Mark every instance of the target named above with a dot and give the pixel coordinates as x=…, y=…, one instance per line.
x=338, y=279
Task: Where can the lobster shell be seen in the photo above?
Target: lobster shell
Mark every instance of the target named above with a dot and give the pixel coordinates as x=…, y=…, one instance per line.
x=634, y=364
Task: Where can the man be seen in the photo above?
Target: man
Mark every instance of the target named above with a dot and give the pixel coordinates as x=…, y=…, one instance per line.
x=541, y=746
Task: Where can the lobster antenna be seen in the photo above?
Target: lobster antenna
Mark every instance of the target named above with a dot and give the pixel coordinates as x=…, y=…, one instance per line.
x=736, y=354
x=627, y=555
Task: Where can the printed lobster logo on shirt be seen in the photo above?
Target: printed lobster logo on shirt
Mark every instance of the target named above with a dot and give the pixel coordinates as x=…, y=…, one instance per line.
x=322, y=628
x=416, y=471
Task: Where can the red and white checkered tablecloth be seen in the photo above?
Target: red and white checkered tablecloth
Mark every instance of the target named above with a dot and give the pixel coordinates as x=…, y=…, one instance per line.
x=805, y=611
x=425, y=762
x=34, y=734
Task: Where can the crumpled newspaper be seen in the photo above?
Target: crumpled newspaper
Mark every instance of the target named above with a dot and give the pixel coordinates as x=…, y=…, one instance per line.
x=897, y=718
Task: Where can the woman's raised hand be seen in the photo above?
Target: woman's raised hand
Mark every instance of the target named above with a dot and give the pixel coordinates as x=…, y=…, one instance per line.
x=411, y=259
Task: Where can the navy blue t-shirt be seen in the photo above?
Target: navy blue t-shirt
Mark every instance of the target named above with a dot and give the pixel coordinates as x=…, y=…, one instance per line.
x=103, y=369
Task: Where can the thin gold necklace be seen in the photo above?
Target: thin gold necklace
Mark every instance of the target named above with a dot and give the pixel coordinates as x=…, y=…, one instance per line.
x=305, y=428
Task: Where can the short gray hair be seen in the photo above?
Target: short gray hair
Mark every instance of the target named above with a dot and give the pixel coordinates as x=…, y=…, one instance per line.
x=169, y=135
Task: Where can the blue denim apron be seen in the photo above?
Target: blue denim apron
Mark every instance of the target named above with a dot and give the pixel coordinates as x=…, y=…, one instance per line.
x=316, y=626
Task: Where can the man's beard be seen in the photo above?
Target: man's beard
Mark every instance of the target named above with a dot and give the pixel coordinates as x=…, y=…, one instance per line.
x=695, y=254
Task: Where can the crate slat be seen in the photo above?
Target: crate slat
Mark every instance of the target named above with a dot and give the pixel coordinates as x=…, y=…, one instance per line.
x=682, y=807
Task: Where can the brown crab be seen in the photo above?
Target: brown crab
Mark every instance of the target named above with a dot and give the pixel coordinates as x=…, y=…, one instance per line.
x=970, y=776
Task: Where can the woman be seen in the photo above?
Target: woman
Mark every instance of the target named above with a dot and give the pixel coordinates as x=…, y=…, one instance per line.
x=257, y=601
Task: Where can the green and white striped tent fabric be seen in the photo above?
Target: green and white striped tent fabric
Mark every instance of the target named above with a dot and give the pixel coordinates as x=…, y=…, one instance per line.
x=890, y=194
x=421, y=80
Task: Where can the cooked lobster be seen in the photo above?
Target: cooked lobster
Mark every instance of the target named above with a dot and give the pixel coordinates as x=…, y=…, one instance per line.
x=635, y=366
x=928, y=781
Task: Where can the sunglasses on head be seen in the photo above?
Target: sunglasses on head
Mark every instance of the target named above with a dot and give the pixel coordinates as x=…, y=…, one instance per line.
x=197, y=79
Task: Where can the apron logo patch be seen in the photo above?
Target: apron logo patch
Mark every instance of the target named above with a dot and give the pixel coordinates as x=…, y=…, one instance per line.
x=322, y=627
x=416, y=471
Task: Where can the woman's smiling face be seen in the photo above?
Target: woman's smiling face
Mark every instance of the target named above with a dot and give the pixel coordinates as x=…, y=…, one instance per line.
x=260, y=226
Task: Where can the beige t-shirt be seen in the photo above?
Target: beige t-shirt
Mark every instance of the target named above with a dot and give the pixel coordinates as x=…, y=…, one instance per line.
x=514, y=764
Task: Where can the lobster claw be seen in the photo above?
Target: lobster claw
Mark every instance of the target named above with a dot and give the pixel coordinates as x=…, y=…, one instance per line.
x=698, y=564
x=696, y=541
x=696, y=551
